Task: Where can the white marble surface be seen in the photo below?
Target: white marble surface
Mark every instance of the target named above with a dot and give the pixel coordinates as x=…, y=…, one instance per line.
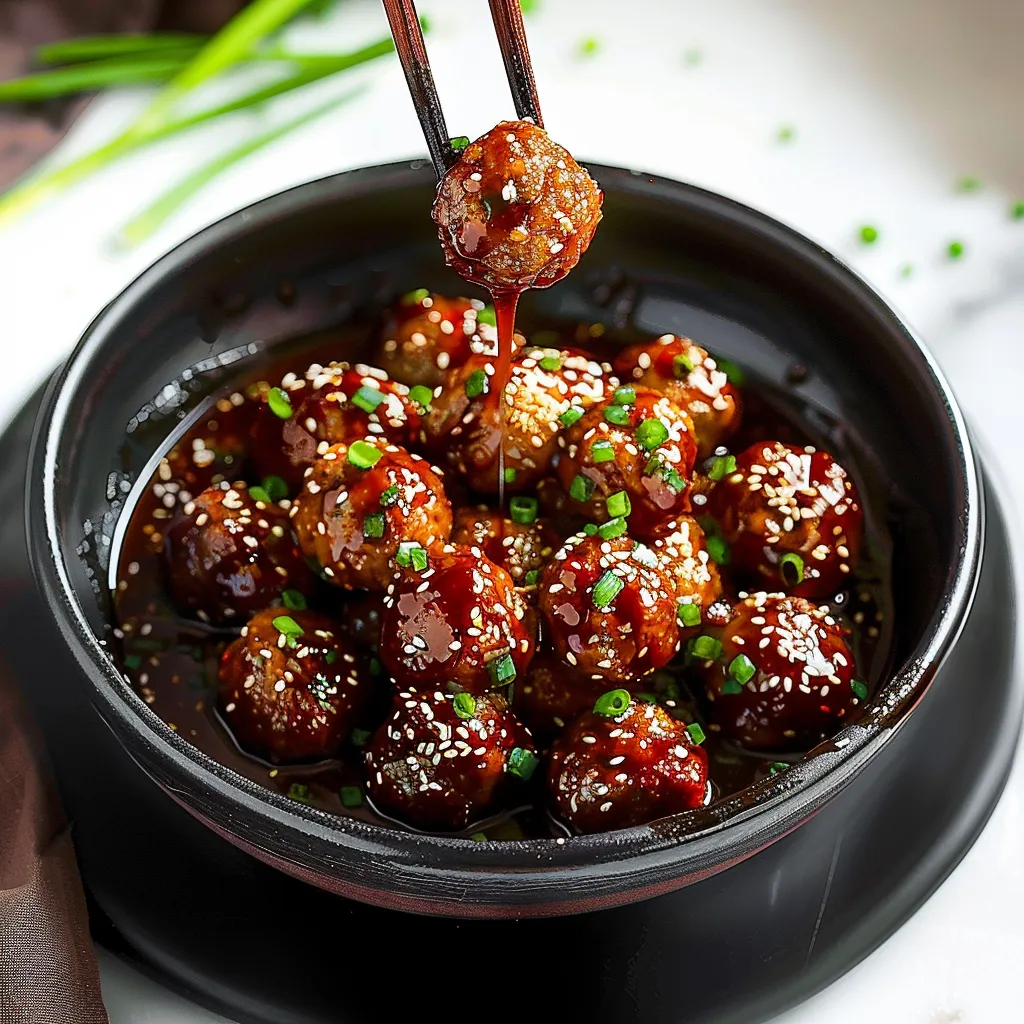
x=891, y=101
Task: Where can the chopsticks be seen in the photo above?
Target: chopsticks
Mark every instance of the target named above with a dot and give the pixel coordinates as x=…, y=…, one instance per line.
x=412, y=53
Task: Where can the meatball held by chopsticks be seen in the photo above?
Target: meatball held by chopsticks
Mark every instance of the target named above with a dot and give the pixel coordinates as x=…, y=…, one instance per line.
x=516, y=211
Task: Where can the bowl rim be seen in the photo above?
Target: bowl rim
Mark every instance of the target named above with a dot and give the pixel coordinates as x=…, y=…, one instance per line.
x=509, y=871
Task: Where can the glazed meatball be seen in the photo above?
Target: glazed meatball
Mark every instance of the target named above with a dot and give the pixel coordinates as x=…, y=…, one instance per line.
x=685, y=372
x=330, y=404
x=682, y=551
x=424, y=335
x=610, y=607
x=230, y=556
x=455, y=618
x=781, y=677
x=792, y=519
x=553, y=694
x=637, y=443
x=515, y=211
x=360, y=503
x=445, y=761
x=521, y=546
x=547, y=389
x=625, y=763
x=290, y=687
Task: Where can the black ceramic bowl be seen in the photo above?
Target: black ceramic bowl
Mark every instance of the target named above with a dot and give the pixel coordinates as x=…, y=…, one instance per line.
x=668, y=257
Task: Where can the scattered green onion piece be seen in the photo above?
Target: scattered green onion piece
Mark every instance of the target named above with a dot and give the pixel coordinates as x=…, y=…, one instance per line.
x=360, y=737
x=718, y=550
x=860, y=689
x=464, y=705
x=351, y=796
x=367, y=398
x=742, y=669
x=459, y=143
x=955, y=250
x=389, y=496
x=487, y=316
x=682, y=366
x=522, y=763
x=590, y=529
x=733, y=372
x=363, y=455
x=570, y=416
x=778, y=766
x=612, y=703
x=618, y=504
x=550, y=363
x=606, y=589
x=906, y=270
x=722, y=466
x=299, y=791
x=331, y=657
x=968, y=183
x=705, y=647
x=523, y=510
x=617, y=414
x=582, y=488
x=533, y=577
x=588, y=47
x=275, y=487
x=373, y=525
x=287, y=626
x=689, y=614
x=422, y=396
x=651, y=433
x=626, y=395
x=510, y=475
x=502, y=670
x=414, y=298
x=613, y=528
x=528, y=6
x=791, y=569
x=411, y=556
x=602, y=451
x=476, y=384
x=132, y=661
x=478, y=837
x=280, y=403
x=258, y=493
x=868, y=234
x=786, y=134
x=1017, y=210
x=294, y=600
x=696, y=733
x=731, y=686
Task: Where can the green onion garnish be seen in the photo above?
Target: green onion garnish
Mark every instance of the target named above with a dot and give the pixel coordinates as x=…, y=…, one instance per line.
x=280, y=403
x=618, y=504
x=590, y=529
x=742, y=669
x=955, y=250
x=778, y=766
x=696, y=733
x=606, y=589
x=722, y=466
x=299, y=791
x=367, y=398
x=363, y=455
x=464, y=705
x=968, y=183
x=906, y=270
x=487, y=316
x=522, y=763
x=732, y=371
x=411, y=555
x=860, y=689
x=459, y=143
x=689, y=614
x=617, y=414
x=502, y=670
x=294, y=600
x=510, y=475
x=132, y=660
x=612, y=703
x=414, y=298
x=626, y=395
x=523, y=510
x=786, y=134
x=1017, y=210
x=602, y=451
x=351, y=796
x=476, y=384
x=582, y=488
x=478, y=837
x=791, y=568
x=422, y=396
x=389, y=495
x=704, y=647
x=588, y=47
x=731, y=686
x=550, y=363
x=258, y=493
x=612, y=529
x=373, y=525
x=275, y=487
x=532, y=577
x=718, y=549
x=360, y=737
x=331, y=657
x=868, y=234
x=570, y=416
x=682, y=366
x=651, y=433
x=288, y=627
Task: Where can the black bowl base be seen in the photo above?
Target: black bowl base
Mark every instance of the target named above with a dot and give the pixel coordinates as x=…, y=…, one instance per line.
x=176, y=900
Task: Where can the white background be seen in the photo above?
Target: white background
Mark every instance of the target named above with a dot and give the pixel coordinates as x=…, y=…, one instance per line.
x=891, y=102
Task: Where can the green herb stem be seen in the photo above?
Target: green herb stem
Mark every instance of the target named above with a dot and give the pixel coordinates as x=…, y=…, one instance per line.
x=85, y=48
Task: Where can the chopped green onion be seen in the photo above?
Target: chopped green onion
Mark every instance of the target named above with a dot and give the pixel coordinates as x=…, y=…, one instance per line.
x=280, y=403
x=502, y=670
x=275, y=487
x=570, y=416
x=459, y=143
x=360, y=737
x=363, y=455
x=906, y=270
x=522, y=763
x=464, y=705
x=528, y=6
x=588, y=47
x=778, y=766
x=791, y=568
x=487, y=316
x=689, y=614
x=682, y=366
x=590, y=529
x=869, y=234
x=651, y=433
x=722, y=466
x=731, y=686
x=786, y=134
x=533, y=577
x=523, y=510
x=1017, y=210
x=351, y=796
x=612, y=703
x=582, y=488
x=422, y=396
x=414, y=298
x=367, y=398
x=618, y=504
x=626, y=395
x=742, y=669
x=860, y=689
x=476, y=384
x=289, y=628
x=968, y=183
x=389, y=495
x=331, y=657
x=612, y=529
x=510, y=475
x=718, y=549
x=732, y=371
x=373, y=525
x=617, y=414
x=294, y=600
x=602, y=451
x=478, y=837
x=705, y=647
x=672, y=477
x=955, y=250
x=607, y=588
x=132, y=661
x=299, y=791
x=550, y=363
x=411, y=555
x=696, y=733
x=258, y=493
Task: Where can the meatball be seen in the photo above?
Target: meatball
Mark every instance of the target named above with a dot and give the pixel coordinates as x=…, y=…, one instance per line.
x=781, y=677
x=682, y=551
x=290, y=687
x=455, y=618
x=360, y=503
x=328, y=405
x=516, y=211
x=424, y=335
x=230, y=556
x=637, y=444
x=547, y=389
x=623, y=764
x=553, y=694
x=521, y=546
x=792, y=519
x=444, y=761
x=610, y=607
x=693, y=380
